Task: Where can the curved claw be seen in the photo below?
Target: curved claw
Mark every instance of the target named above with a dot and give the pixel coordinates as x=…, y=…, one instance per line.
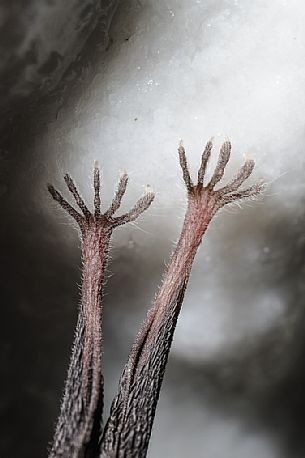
x=204, y=162
x=141, y=205
x=241, y=176
x=224, y=156
x=183, y=163
x=121, y=189
x=72, y=188
x=64, y=204
x=97, y=198
x=252, y=191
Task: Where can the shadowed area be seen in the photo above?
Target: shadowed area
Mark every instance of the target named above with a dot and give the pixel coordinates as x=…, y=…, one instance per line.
x=39, y=40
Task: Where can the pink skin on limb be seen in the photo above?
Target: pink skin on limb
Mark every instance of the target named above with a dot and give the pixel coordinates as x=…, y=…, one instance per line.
x=78, y=426
x=129, y=426
x=203, y=203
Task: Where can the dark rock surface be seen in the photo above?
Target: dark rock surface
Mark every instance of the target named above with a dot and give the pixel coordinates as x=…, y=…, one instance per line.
x=39, y=39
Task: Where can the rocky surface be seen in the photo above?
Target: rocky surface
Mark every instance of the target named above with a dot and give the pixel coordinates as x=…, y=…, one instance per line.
x=39, y=39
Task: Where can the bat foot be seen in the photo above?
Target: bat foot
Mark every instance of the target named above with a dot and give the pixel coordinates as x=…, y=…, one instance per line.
x=85, y=218
x=228, y=193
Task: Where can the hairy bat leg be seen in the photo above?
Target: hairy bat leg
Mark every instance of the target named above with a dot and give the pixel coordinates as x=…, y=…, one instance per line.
x=128, y=428
x=79, y=425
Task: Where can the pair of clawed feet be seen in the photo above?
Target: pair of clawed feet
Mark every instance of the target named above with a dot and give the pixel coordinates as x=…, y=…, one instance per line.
x=227, y=194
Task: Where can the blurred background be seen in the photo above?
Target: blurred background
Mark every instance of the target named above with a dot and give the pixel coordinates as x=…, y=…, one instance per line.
x=122, y=82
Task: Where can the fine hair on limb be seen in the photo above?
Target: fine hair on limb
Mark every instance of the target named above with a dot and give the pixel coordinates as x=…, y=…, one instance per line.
x=127, y=431
x=80, y=432
x=79, y=425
